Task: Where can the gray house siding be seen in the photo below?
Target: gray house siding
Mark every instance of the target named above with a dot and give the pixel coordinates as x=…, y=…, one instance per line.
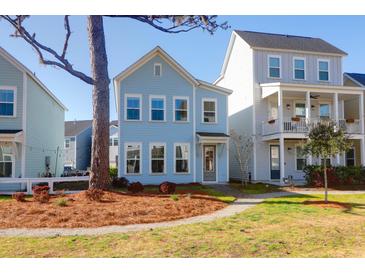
x=83, y=149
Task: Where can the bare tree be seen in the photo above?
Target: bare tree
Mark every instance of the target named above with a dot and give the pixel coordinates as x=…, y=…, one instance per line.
x=99, y=177
x=242, y=147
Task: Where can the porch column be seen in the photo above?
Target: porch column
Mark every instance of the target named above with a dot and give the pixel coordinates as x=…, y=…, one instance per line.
x=282, y=160
x=362, y=150
x=335, y=111
x=308, y=117
x=280, y=110
x=361, y=112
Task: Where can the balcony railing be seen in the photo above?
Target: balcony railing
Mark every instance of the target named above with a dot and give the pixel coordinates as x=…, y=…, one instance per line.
x=301, y=125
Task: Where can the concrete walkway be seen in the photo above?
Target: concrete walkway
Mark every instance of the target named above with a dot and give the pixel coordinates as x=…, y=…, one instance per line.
x=242, y=203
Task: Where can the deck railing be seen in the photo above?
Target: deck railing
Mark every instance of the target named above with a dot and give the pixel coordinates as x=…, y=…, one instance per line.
x=67, y=184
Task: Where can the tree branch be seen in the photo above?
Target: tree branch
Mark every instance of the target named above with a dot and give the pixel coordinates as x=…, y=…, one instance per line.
x=61, y=61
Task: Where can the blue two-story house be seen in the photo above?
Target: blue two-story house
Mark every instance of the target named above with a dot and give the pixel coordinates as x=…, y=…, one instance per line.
x=172, y=126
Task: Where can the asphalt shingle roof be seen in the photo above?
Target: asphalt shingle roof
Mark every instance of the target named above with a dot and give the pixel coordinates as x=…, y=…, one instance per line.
x=74, y=128
x=288, y=42
x=360, y=77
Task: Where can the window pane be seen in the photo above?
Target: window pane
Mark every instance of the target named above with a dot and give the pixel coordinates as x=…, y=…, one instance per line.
x=181, y=104
x=301, y=163
x=299, y=64
x=275, y=72
x=182, y=166
x=6, y=109
x=350, y=162
x=324, y=110
x=323, y=76
x=133, y=114
x=209, y=117
x=158, y=152
x=157, y=166
x=299, y=74
x=182, y=152
x=7, y=96
x=133, y=152
x=350, y=153
x=133, y=166
x=157, y=103
x=6, y=169
x=157, y=70
x=157, y=115
x=116, y=142
x=133, y=102
x=181, y=115
x=300, y=110
x=209, y=106
x=274, y=62
x=323, y=65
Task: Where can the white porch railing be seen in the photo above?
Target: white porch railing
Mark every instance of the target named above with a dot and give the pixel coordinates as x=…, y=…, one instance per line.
x=300, y=125
x=69, y=184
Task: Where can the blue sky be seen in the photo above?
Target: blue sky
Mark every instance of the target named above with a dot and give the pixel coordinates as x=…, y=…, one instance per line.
x=200, y=53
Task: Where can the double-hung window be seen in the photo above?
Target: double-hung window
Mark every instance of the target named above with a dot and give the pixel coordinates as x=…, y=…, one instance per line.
x=115, y=141
x=274, y=63
x=350, y=157
x=158, y=153
x=324, y=111
x=6, y=161
x=209, y=110
x=133, y=158
x=300, y=110
x=323, y=70
x=7, y=102
x=301, y=159
x=67, y=143
x=157, y=69
x=181, y=109
x=133, y=107
x=299, y=68
x=157, y=108
x=181, y=158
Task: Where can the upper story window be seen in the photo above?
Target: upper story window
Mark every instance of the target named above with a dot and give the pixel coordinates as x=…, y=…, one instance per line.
x=67, y=143
x=6, y=161
x=133, y=158
x=274, y=63
x=115, y=142
x=157, y=70
x=157, y=158
x=157, y=108
x=209, y=110
x=133, y=107
x=323, y=70
x=7, y=102
x=181, y=109
x=299, y=110
x=299, y=68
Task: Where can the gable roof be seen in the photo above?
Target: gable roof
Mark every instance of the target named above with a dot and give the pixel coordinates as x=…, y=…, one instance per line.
x=24, y=69
x=158, y=51
x=74, y=128
x=358, y=78
x=288, y=42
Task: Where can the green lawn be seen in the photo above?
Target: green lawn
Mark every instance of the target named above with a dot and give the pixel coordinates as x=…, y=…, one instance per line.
x=257, y=188
x=280, y=227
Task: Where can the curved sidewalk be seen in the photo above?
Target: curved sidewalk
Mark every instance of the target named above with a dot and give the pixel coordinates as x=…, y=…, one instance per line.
x=242, y=203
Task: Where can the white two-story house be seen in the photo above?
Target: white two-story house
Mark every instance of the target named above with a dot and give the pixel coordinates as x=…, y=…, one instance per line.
x=282, y=84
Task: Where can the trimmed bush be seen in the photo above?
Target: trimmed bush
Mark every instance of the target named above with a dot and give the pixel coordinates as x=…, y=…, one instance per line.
x=167, y=188
x=113, y=172
x=135, y=187
x=94, y=194
x=19, y=196
x=41, y=194
x=120, y=182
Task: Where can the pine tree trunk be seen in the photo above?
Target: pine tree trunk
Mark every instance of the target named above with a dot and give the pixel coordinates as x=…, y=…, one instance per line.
x=325, y=181
x=99, y=177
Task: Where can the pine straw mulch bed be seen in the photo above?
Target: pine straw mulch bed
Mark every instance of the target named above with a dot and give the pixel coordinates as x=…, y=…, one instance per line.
x=113, y=209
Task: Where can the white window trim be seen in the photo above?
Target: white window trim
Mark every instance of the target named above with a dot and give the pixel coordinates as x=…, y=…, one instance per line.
x=296, y=158
x=69, y=142
x=268, y=66
x=14, y=89
x=164, y=108
x=351, y=158
x=207, y=99
x=305, y=68
x=329, y=68
x=113, y=143
x=182, y=144
x=126, y=144
x=174, y=98
x=150, y=158
x=154, y=69
x=129, y=95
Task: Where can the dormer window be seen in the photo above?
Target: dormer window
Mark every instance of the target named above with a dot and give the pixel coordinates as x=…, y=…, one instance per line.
x=157, y=69
x=323, y=70
x=274, y=63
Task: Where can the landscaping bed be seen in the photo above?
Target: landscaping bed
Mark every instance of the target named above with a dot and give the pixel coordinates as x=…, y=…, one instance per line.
x=75, y=210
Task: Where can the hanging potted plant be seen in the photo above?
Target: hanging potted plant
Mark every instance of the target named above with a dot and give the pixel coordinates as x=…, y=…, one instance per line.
x=295, y=119
x=350, y=120
x=272, y=121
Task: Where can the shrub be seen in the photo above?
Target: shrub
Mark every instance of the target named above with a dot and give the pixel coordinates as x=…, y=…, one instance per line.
x=120, y=182
x=167, y=188
x=135, y=187
x=61, y=202
x=19, y=196
x=174, y=197
x=94, y=194
x=113, y=172
x=40, y=194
